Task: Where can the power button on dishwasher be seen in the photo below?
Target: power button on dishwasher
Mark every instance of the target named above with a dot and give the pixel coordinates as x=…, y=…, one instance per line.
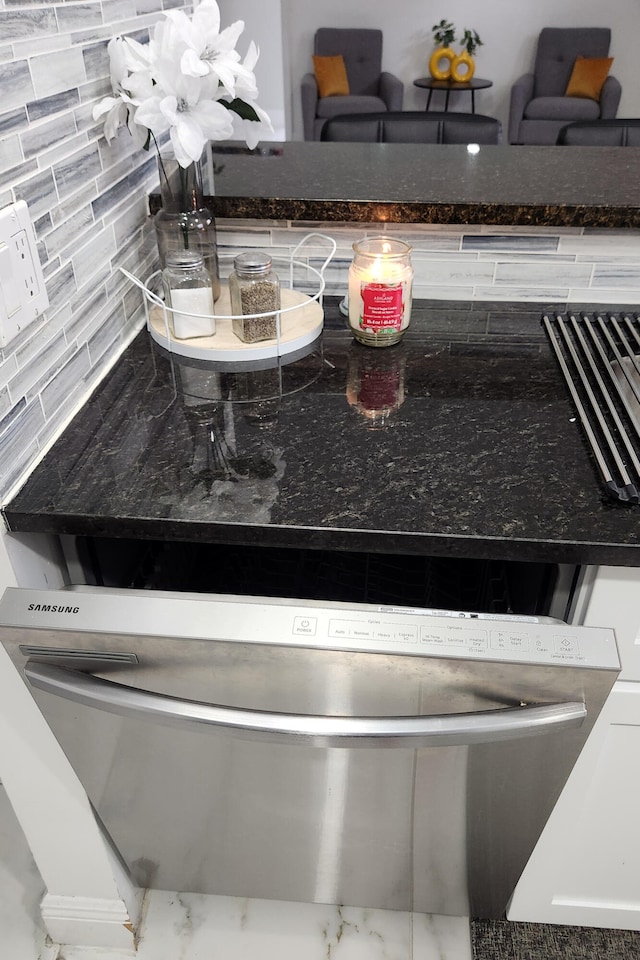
x=305, y=626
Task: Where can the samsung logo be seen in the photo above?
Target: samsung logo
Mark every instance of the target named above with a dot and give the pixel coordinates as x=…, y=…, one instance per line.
x=52, y=608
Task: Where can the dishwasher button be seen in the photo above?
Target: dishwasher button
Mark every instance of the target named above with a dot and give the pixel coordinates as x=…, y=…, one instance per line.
x=305, y=626
x=476, y=640
x=564, y=644
x=442, y=636
x=509, y=640
x=359, y=632
x=339, y=629
x=385, y=634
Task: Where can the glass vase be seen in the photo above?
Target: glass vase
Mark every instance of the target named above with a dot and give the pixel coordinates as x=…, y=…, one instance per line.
x=183, y=222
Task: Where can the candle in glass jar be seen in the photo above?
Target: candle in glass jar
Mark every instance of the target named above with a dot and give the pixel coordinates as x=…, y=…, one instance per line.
x=380, y=282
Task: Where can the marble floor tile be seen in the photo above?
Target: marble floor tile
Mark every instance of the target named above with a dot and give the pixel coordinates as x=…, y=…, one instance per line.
x=194, y=927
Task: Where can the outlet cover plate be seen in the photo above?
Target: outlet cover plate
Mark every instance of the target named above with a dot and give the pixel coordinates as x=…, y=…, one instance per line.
x=23, y=295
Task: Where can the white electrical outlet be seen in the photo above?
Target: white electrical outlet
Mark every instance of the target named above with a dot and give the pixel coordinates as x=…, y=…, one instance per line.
x=23, y=296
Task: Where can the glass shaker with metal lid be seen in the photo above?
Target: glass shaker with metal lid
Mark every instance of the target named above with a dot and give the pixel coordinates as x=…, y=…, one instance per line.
x=254, y=288
x=189, y=293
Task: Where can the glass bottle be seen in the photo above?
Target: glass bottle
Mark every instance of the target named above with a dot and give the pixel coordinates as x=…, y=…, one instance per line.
x=184, y=223
x=380, y=285
x=254, y=288
x=188, y=291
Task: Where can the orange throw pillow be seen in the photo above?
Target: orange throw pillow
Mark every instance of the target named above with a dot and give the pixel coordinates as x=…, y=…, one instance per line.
x=588, y=77
x=331, y=76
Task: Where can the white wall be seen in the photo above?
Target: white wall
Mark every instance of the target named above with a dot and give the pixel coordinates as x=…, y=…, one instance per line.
x=508, y=29
x=263, y=24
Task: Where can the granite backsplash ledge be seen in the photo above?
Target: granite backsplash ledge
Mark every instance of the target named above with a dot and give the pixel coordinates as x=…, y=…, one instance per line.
x=460, y=442
x=425, y=183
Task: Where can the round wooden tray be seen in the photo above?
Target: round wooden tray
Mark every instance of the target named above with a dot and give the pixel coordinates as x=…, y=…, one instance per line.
x=300, y=325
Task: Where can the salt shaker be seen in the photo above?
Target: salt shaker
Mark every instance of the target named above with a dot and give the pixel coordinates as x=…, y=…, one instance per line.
x=254, y=288
x=189, y=293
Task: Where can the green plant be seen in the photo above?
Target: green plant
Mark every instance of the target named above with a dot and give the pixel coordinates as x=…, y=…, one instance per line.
x=470, y=41
x=444, y=33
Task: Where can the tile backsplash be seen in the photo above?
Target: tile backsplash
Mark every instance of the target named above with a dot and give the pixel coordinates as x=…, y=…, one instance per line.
x=549, y=265
x=87, y=201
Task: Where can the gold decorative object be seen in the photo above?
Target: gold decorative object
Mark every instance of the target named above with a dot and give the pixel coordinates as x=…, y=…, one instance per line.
x=444, y=63
x=462, y=67
x=443, y=56
x=441, y=62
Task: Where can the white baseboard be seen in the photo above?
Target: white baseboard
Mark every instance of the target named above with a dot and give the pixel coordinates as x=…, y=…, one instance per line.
x=88, y=921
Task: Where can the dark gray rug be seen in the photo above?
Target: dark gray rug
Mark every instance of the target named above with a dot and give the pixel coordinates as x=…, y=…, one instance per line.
x=503, y=940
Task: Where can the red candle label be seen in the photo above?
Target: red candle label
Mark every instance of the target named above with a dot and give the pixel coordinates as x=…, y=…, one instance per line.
x=382, y=305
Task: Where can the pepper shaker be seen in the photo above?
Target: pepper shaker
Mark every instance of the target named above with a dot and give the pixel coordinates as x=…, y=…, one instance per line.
x=254, y=288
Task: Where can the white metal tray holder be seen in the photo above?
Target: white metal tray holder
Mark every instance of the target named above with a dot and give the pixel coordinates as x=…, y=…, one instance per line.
x=299, y=322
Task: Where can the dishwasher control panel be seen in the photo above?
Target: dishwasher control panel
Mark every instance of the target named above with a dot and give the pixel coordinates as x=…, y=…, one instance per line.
x=291, y=622
x=436, y=633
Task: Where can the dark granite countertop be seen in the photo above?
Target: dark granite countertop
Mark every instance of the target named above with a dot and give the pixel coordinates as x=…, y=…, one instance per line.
x=461, y=442
x=409, y=183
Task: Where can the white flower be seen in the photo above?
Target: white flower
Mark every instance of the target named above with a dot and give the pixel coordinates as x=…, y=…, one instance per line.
x=137, y=55
x=190, y=120
x=207, y=50
x=252, y=131
x=246, y=87
x=114, y=111
x=188, y=81
x=119, y=110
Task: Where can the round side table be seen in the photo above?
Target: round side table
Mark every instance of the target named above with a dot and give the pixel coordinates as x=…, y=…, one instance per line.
x=449, y=86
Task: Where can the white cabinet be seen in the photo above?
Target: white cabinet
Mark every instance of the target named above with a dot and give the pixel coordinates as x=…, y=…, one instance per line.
x=585, y=868
x=89, y=900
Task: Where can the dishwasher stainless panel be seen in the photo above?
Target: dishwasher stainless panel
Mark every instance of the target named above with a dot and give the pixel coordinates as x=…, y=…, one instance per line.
x=315, y=751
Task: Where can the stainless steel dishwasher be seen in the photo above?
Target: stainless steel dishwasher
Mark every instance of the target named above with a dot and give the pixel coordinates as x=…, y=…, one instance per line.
x=323, y=751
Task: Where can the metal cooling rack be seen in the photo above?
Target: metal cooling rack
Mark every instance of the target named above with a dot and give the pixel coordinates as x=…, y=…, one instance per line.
x=599, y=355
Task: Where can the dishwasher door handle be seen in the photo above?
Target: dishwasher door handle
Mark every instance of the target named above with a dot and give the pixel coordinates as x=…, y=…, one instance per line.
x=457, y=729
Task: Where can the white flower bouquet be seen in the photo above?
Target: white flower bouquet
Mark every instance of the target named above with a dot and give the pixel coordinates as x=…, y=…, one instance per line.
x=189, y=81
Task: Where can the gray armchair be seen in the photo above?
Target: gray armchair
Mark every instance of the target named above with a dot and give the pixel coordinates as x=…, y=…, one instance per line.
x=539, y=109
x=371, y=90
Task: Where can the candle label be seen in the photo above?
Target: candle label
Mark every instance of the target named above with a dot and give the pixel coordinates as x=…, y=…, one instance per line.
x=382, y=305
